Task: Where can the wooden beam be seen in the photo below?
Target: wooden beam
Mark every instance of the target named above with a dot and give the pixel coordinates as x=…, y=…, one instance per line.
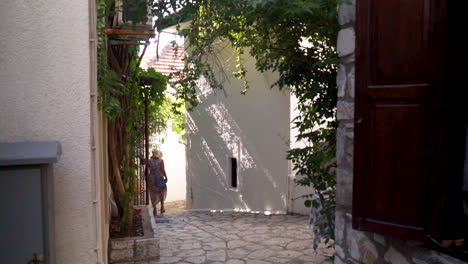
x=115, y=31
x=127, y=42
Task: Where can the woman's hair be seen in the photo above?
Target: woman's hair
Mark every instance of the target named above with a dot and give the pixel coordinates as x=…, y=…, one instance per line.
x=157, y=153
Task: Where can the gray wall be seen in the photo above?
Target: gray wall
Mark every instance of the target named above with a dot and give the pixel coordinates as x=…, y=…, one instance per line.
x=353, y=246
x=253, y=128
x=45, y=95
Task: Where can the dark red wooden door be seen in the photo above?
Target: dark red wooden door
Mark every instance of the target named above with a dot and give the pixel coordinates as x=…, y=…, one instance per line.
x=400, y=75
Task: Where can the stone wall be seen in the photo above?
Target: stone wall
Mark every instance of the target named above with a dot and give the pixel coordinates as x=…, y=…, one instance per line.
x=137, y=250
x=129, y=250
x=353, y=246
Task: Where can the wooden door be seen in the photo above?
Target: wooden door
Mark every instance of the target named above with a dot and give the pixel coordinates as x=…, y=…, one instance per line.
x=400, y=79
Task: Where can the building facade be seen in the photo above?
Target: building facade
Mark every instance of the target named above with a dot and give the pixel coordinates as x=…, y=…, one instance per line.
x=48, y=92
x=237, y=144
x=373, y=223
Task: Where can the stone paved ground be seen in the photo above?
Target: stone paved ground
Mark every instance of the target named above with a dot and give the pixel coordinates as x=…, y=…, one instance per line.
x=203, y=237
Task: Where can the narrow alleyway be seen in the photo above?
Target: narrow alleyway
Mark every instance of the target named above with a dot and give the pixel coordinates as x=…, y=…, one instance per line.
x=204, y=237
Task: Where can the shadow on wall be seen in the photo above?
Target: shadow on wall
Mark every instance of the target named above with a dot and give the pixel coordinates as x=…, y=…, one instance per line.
x=215, y=137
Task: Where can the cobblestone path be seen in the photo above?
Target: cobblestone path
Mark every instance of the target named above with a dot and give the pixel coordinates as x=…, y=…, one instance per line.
x=236, y=238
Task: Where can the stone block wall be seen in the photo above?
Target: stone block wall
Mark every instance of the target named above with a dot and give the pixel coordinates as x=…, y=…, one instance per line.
x=131, y=250
x=137, y=250
x=352, y=246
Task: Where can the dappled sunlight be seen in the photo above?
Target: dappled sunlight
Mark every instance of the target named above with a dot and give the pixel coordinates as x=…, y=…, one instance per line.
x=214, y=163
x=205, y=89
x=229, y=132
x=237, y=147
x=226, y=139
x=191, y=126
x=219, y=172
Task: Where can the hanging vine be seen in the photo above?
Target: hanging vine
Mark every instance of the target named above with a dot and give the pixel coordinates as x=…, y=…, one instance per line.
x=297, y=39
x=124, y=89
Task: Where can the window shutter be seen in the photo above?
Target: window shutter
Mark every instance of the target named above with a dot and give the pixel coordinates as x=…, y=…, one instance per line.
x=400, y=79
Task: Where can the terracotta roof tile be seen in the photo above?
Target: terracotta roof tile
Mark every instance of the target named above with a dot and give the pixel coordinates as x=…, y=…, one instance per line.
x=170, y=61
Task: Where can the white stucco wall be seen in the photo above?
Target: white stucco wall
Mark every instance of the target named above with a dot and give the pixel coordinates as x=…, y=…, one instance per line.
x=253, y=128
x=44, y=95
x=173, y=149
x=296, y=202
x=169, y=142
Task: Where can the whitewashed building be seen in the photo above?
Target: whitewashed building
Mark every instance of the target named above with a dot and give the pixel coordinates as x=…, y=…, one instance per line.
x=48, y=92
x=237, y=144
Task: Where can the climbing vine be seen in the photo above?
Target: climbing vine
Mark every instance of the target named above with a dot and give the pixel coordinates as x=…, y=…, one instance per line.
x=297, y=39
x=128, y=93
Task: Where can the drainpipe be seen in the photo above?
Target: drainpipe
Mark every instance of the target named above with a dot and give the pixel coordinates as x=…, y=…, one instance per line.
x=147, y=149
x=94, y=126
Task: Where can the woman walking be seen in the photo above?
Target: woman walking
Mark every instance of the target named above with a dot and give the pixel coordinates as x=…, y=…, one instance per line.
x=157, y=180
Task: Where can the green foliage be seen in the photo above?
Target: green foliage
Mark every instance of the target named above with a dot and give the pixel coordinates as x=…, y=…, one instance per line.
x=138, y=10
x=107, y=78
x=124, y=91
x=295, y=38
x=177, y=113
